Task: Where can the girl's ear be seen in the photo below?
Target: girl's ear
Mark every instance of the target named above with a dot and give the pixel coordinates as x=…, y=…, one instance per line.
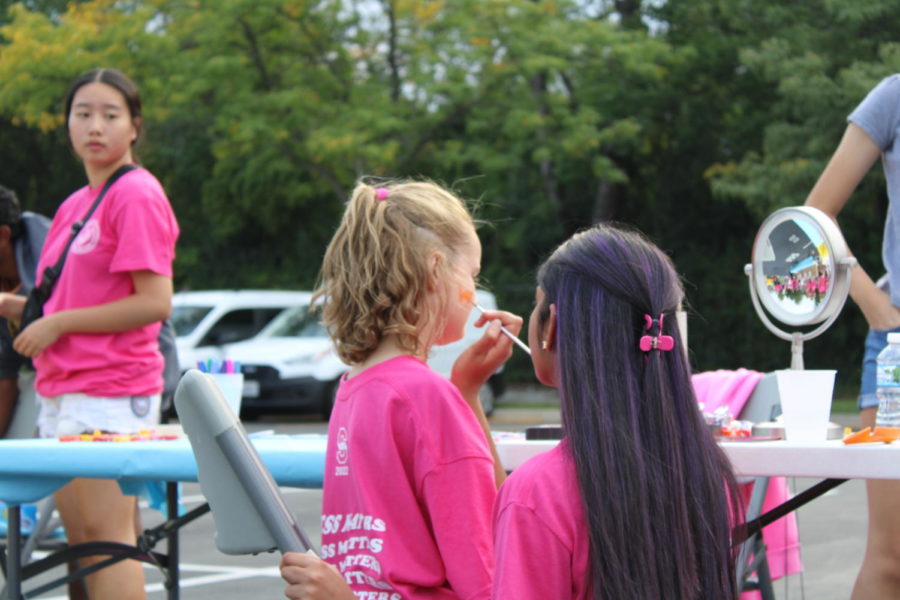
x=136, y=125
x=435, y=260
x=548, y=338
x=5, y=235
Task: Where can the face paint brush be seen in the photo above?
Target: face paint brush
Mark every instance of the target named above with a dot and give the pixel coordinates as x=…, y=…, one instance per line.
x=469, y=296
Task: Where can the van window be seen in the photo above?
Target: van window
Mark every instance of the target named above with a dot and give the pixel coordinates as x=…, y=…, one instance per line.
x=186, y=318
x=238, y=325
x=298, y=322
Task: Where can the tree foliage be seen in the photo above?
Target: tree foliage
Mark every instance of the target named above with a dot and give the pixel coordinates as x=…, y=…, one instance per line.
x=690, y=120
x=815, y=61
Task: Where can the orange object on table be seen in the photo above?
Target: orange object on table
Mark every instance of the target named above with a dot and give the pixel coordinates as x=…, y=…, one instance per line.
x=869, y=435
x=105, y=436
x=886, y=434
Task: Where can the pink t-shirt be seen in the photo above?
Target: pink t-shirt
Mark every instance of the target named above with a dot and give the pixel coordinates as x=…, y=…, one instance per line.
x=132, y=229
x=409, y=487
x=541, y=548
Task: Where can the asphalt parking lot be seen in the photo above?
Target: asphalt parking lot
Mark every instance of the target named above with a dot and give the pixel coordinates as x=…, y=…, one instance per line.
x=832, y=528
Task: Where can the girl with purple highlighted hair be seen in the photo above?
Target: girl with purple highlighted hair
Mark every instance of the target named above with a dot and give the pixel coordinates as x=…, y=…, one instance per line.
x=634, y=502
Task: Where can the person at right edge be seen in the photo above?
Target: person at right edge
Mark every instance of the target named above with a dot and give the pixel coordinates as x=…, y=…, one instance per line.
x=872, y=132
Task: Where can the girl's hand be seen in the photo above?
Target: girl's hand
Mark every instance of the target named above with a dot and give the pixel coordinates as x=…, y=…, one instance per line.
x=478, y=362
x=874, y=303
x=881, y=314
x=37, y=336
x=482, y=359
x=311, y=578
x=11, y=306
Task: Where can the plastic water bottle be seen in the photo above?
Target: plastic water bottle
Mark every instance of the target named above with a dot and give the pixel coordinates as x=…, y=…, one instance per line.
x=888, y=382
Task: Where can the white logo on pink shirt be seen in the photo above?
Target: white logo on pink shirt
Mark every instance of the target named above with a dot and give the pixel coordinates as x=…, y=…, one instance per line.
x=88, y=238
x=343, y=452
x=352, y=542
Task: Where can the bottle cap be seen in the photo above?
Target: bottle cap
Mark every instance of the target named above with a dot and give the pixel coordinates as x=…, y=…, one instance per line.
x=893, y=338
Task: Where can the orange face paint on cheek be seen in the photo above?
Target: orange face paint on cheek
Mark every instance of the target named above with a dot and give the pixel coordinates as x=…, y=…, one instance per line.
x=467, y=296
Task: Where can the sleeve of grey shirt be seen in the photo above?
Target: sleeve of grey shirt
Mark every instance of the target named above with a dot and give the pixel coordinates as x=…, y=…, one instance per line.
x=879, y=112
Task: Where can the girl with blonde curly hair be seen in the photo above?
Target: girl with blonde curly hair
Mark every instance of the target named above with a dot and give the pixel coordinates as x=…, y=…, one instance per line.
x=410, y=474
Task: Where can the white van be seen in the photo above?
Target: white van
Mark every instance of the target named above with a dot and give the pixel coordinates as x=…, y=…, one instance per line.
x=292, y=365
x=206, y=321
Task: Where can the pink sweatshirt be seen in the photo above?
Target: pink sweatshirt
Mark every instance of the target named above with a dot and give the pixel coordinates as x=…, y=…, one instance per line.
x=409, y=487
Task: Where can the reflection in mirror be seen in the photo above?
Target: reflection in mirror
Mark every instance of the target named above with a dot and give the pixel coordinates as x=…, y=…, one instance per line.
x=797, y=266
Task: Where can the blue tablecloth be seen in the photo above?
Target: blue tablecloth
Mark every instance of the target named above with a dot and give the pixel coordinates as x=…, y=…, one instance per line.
x=33, y=469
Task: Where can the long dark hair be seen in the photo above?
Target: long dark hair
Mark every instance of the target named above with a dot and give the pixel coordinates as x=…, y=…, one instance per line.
x=658, y=493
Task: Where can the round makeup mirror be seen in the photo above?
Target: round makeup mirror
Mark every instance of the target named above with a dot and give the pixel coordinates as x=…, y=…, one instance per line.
x=799, y=274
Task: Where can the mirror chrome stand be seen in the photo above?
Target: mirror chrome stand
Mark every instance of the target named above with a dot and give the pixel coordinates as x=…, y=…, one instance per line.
x=796, y=338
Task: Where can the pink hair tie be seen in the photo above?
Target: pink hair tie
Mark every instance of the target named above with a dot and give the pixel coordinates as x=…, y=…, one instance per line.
x=657, y=342
x=381, y=193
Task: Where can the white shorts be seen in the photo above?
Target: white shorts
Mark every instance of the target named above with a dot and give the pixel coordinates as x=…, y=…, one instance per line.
x=73, y=414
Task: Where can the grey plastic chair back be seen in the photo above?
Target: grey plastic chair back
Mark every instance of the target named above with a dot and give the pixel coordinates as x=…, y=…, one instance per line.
x=764, y=404
x=23, y=424
x=248, y=509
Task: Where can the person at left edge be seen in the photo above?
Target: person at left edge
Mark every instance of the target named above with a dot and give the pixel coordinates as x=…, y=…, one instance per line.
x=95, y=349
x=22, y=235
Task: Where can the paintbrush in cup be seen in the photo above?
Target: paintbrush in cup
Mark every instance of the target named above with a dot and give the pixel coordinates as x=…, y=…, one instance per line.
x=469, y=296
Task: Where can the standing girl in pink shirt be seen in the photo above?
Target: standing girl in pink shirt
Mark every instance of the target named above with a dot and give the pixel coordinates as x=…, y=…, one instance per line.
x=410, y=478
x=95, y=350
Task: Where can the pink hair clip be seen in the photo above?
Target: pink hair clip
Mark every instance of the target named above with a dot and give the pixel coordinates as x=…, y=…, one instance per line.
x=656, y=342
x=381, y=193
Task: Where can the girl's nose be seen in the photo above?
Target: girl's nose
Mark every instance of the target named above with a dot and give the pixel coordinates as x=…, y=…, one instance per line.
x=95, y=123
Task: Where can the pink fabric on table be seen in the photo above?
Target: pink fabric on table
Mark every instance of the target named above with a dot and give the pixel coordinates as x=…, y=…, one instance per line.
x=724, y=387
x=733, y=388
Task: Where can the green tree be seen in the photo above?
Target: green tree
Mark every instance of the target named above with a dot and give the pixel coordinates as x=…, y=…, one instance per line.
x=690, y=119
x=799, y=69
x=37, y=164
